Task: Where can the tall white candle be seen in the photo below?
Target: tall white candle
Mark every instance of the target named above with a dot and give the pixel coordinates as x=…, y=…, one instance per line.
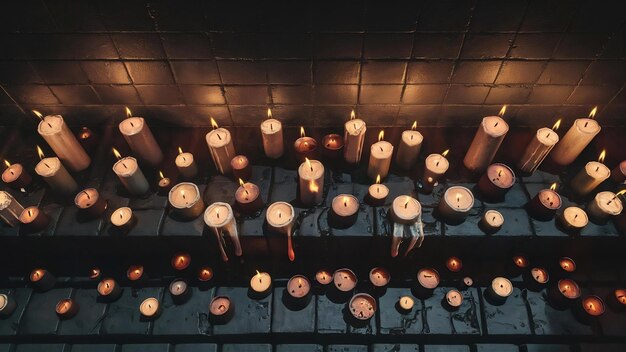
x=456, y=203
x=576, y=139
x=380, y=157
x=354, y=136
x=53, y=129
x=605, y=205
x=409, y=149
x=185, y=164
x=220, y=219
x=10, y=209
x=281, y=217
x=545, y=139
x=186, y=200
x=140, y=139
x=130, y=175
x=55, y=175
x=272, y=134
x=486, y=142
x=591, y=176
x=221, y=147
x=311, y=173
x=404, y=210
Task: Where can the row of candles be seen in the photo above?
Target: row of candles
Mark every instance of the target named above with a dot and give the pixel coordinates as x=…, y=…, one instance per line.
x=565, y=293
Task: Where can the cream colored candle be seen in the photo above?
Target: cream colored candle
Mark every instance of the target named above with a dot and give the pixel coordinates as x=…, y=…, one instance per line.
x=405, y=209
x=591, y=176
x=220, y=219
x=323, y=277
x=379, y=277
x=15, y=176
x=486, y=142
x=280, y=218
x=362, y=306
x=354, y=136
x=272, y=134
x=311, y=174
x=261, y=282
x=186, y=200
x=501, y=287
x=428, y=278
x=221, y=147
x=53, y=129
x=605, y=205
x=409, y=149
x=298, y=286
x=141, y=140
x=149, y=308
x=573, y=218
x=456, y=203
x=345, y=208
x=55, y=175
x=406, y=302
x=10, y=209
x=377, y=193
x=435, y=167
x=130, y=175
x=545, y=139
x=380, y=158
x=186, y=164
x=492, y=220
x=122, y=217
x=576, y=139
x=454, y=298
x=344, y=280
x=619, y=172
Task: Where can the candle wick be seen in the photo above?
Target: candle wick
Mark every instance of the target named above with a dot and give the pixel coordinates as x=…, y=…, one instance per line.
x=496, y=125
x=437, y=164
x=377, y=189
x=131, y=123
x=494, y=219
x=586, y=123
x=381, y=148
x=548, y=135
x=218, y=136
x=575, y=216
x=221, y=307
x=87, y=194
x=354, y=125
x=126, y=167
x=411, y=137
x=149, y=306
x=48, y=166
x=345, y=204
x=311, y=168
x=597, y=168
x=184, y=159
x=271, y=127
x=12, y=173
x=29, y=213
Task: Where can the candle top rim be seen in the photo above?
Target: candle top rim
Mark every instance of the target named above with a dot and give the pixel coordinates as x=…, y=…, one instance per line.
x=464, y=190
x=304, y=171
x=48, y=166
x=60, y=304
x=444, y=163
x=122, y=170
x=93, y=193
x=217, y=299
x=306, y=284
x=369, y=299
x=592, y=125
x=288, y=219
x=492, y=212
x=541, y=270
x=144, y=305
x=434, y=273
x=349, y=127
x=192, y=201
x=187, y=155
x=383, y=188
x=352, y=208
x=603, y=197
x=176, y=281
x=597, y=300
x=571, y=283
x=592, y=165
x=541, y=136
x=351, y=275
x=504, y=126
x=569, y=261
x=33, y=210
x=218, y=143
x=229, y=214
x=399, y=202
x=386, y=275
x=112, y=283
x=17, y=168
x=557, y=204
x=580, y=211
x=44, y=128
x=505, y=280
x=453, y=291
x=375, y=148
x=132, y=130
x=266, y=124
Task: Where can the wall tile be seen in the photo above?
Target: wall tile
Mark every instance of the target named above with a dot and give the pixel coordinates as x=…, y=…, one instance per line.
x=16, y=72
x=476, y=71
x=429, y=71
x=149, y=72
x=593, y=94
x=437, y=45
x=187, y=46
x=292, y=94
x=520, y=72
x=507, y=95
x=139, y=46
x=478, y=46
x=584, y=46
x=549, y=94
x=236, y=45
x=32, y=94
x=378, y=115
x=466, y=95
x=201, y=115
x=105, y=72
x=383, y=72
x=534, y=45
x=285, y=72
x=605, y=72
x=75, y=95
x=289, y=46
x=346, y=72
x=336, y=94
x=60, y=72
x=424, y=94
x=191, y=71
x=563, y=72
x=201, y=95
x=255, y=95
x=387, y=45
x=380, y=94
x=425, y=115
x=159, y=95
x=243, y=72
x=117, y=94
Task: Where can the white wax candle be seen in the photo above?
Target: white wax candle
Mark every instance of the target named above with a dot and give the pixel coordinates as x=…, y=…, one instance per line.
x=493, y=219
x=298, y=286
x=221, y=147
x=604, y=205
x=540, y=275
x=454, y=298
x=220, y=305
x=10, y=209
x=55, y=175
x=542, y=143
x=59, y=137
x=405, y=209
x=261, y=282
x=149, y=308
x=323, y=277
x=501, y=175
x=247, y=197
x=456, y=203
x=272, y=134
x=436, y=166
x=344, y=280
x=354, y=136
x=380, y=158
x=379, y=277
x=90, y=202
x=130, y=175
x=362, y=306
x=219, y=218
x=121, y=217
x=186, y=200
x=569, y=289
x=590, y=177
x=409, y=149
x=428, y=278
x=311, y=174
x=575, y=141
x=377, y=192
x=186, y=164
x=34, y=219
x=593, y=305
x=141, y=140
x=406, y=302
x=16, y=176
x=345, y=205
x=281, y=217
x=7, y=305
x=574, y=218
x=501, y=287
x=486, y=142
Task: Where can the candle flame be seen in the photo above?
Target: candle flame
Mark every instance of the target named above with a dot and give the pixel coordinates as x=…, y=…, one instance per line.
x=40, y=153
x=620, y=193
x=241, y=183
x=161, y=174
x=553, y=187
x=128, y=112
x=381, y=135
x=408, y=199
x=345, y=201
x=414, y=126
x=180, y=150
x=117, y=154
x=313, y=187
x=602, y=156
x=302, y=134
x=7, y=163
x=445, y=152
x=213, y=123
x=557, y=124
x=502, y=111
x=593, y=112
x=38, y=114
x=308, y=162
x=269, y=113
x=352, y=115
x=258, y=274
x=377, y=179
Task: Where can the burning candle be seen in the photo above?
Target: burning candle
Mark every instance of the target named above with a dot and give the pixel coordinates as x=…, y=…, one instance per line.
x=593, y=305
x=345, y=210
x=53, y=129
x=466, y=283
x=306, y=147
x=248, y=198
x=130, y=175
x=333, y=145
x=573, y=219
x=323, y=277
x=280, y=217
x=619, y=172
x=591, y=176
x=362, y=306
x=567, y=264
x=377, y=193
x=42, y=280
x=109, y=290
x=220, y=219
x=545, y=204
x=492, y=221
x=379, y=277
x=123, y=219
x=87, y=138
x=311, y=174
x=15, y=176
x=140, y=139
x=619, y=297
x=497, y=181
x=90, y=202
x=34, y=219
x=150, y=308
x=186, y=165
x=501, y=288
x=95, y=273
x=165, y=184
x=435, y=168
x=456, y=203
x=299, y=287
x=55, y=174
x=564, y=293
x=272, y=134
x=405, y=209
x=221, y=147
x=605, y=205
x=205, y=274
x=186, y=200
x=486, y=142
x=354, y=136
x=180, y=261
x=428, y=280
x=241, y=168
x=539, y=276
x=261, y=284
x=409, y=149
x=380, y=157
x=576, y=139
x=7, y=305
x=545, y=139
x=221, y=308
x=135, y=273
x=344, y=280
x=180, y=291
x=454, y=299
x=520, y=261
x=454, y=264
x=10, y=209
x=406, y=303
x=66, y=308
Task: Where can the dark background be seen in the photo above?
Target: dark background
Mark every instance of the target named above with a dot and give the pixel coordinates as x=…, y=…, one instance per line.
x=440, y=62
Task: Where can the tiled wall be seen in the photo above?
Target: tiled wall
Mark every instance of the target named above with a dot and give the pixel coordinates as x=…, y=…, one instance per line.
x=438, y=61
